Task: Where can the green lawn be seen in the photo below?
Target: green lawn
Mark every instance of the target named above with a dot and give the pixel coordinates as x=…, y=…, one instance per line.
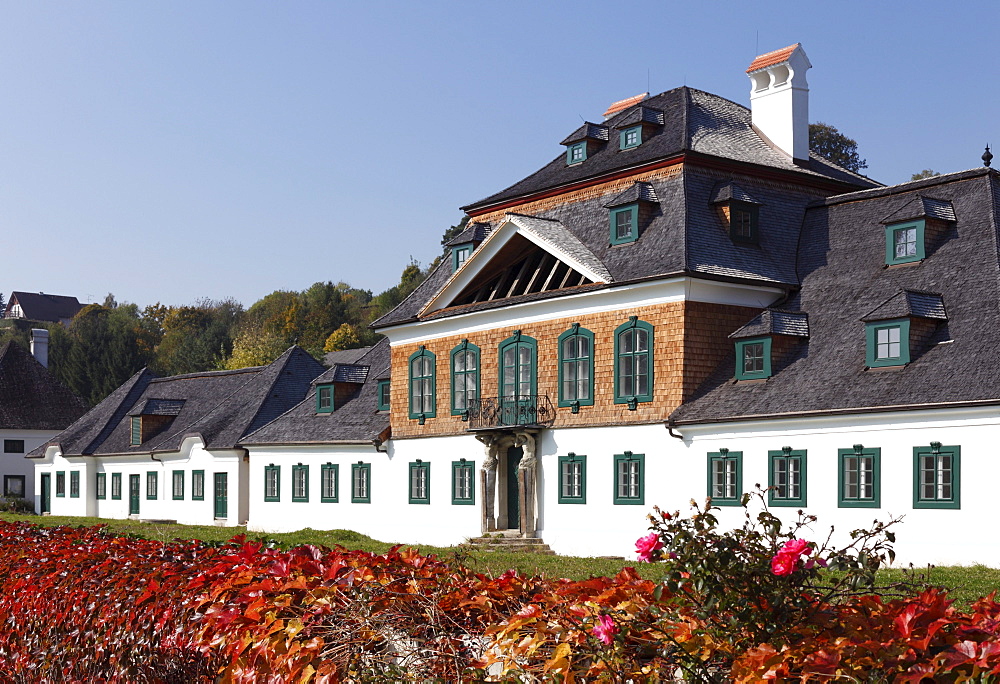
x=965, y=583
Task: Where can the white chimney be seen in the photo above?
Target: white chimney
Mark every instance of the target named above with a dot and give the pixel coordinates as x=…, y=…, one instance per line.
x=779, y=100
x=40, y=345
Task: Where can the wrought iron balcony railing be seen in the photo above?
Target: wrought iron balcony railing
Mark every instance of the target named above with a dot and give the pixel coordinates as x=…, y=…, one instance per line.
x=498, y=412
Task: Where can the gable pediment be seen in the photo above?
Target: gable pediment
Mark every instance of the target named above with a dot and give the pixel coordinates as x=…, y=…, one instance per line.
x=524, y=255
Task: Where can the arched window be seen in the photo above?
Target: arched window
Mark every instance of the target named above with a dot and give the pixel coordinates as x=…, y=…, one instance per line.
x=576, y=367
x=464, y=377
x=518, y=379
x=633, y=362
x=423, y=400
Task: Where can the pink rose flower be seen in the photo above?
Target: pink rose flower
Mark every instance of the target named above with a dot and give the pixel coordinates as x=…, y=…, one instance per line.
x=605, y=629
x=783, y=564
x=789, y=556
x=646, y=546
x=795, y=547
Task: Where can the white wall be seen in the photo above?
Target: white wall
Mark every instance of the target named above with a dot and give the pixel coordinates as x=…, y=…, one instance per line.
x=15, y=464
x=192, y=456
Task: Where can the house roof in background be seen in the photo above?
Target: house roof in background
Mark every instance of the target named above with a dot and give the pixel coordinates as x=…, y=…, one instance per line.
x=39, y=306
x=31, y=398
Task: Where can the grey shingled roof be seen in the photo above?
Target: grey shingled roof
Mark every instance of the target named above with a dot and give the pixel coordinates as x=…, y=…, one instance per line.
x=220, y=406
x=637, y=192
x=158, y=407
x=588, y=131
x=639, y=114
x=344, y=356
x=31, y=398
x=356, y=420
x=39, y=306
x=907, y=303
x=554, y=233
x=923, y=207
x=474, y=232
x=349, y=372
x=727, y=191
x=775, y=322
x=842, y=266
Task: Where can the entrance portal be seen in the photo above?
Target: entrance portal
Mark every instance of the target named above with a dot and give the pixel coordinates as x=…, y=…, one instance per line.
x=514, y=456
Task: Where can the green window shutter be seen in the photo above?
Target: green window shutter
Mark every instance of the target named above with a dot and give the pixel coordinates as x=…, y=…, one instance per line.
x=904, y=242
x=74, y=484
x=858, y=477
x=887, y=343
x=624, y=224
x=725, y=477
x=420, y=482
x=329, y=474
x=753, y=358
x=272, y=483
x=423, y=384
x=633, y=362
x=786, y=477
x=152, y=484
x=630, y=137
x=136, y=430
x=576, y=368
x=463, y=482
x=197, y=485
x=464, y=377
x=116, y=486
x=324, y=398
x=573, y=479
x=361, y=482
x=629, y=479
x=383, y=395
x=102, y=486
x=937, y=476
x=178, y=485
x=300, y=483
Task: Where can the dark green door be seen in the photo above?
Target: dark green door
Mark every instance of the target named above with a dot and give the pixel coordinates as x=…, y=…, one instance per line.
x=46, y=493
x=514, y=455
x=517, y=382
x=133, y=495
x=222, y=495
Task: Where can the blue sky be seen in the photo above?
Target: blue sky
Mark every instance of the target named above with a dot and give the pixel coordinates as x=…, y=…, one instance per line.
x=169, y=151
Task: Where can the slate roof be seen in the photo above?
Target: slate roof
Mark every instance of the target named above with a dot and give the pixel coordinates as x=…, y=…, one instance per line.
x=554, y=233
x=775, y=322
x=356, y=420
x=637, y=192
x=344, y=356
x=350, y=372
x=728, y=191
x=588, y=131
x=474, y=232
x=38, y=306
x=31, y=398
x=844, y=279
x=923, y=207
x=220, y=406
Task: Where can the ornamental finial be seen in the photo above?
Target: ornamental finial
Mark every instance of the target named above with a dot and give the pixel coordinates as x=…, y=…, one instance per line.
x=987, y=156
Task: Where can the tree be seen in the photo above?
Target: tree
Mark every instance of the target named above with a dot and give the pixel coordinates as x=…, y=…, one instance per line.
x=344, y=337
x=454, y=230
x=926, y=173
x=829, y=143
x=254, y=346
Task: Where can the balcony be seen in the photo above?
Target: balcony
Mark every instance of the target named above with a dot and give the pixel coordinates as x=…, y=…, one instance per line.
x=489, y=413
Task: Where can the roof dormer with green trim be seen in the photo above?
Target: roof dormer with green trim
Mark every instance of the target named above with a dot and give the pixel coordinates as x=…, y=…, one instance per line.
x=630, y=212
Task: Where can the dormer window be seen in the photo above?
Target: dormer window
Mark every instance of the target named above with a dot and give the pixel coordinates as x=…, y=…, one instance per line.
x=383, y=395
x=136, y=430
x=888, y=343
x=743, y=222
x=901, y=326
x=630, y=137
x=576, y=153
x=753, y=359
x=624, y=226
x=459, y=255
x=904, y=242
x=324, y=398
x=771, y=336
x=630, y=211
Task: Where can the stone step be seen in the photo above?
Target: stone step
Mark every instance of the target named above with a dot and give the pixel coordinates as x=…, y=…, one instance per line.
x=510, y=544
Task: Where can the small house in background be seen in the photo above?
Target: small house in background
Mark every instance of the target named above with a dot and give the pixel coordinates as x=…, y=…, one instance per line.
x=34, y=407
x=39, y=306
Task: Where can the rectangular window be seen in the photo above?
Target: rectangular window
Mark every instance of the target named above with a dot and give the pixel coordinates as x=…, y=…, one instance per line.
x=101, y=488
x=361, y=483
x=197, y=485
x=300, y=482
x=383, y=395
x=576, y=367
x=743, y=222
x=423, y=402
x=629, y=485
x=576, y=153
x=725, y=477
x=753, y=359
x=888, y=343
x=60, y=483
x=152, y=484
x=178, y=485
x=573, y=479
x=858, y=470
x=13, y=485
x=272, y=482
x=74, y=484
x=786, y=478
x=464, y=377
x=904, y=242
x=937, y=476
x=633, y=362
x=324, y=398
x=624, y=224
x=420, y=482
x=329, y=478
x=630, y=137
x=459, y=255
x=116, y=486
x=136, y=430
x=13, y=446
x=463, y=487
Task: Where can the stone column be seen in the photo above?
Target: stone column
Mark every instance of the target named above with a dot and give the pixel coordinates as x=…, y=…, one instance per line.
x=527, y=489
x=488, y=482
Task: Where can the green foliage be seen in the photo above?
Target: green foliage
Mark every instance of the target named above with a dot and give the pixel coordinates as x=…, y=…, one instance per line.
x=829, y=143
x=344, y=337
x=197, y=338
x=454, y=230
x=926, y=173
x=254, y=346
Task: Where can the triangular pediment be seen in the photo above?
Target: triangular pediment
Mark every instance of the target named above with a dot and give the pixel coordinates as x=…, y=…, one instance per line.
x=524, y=255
